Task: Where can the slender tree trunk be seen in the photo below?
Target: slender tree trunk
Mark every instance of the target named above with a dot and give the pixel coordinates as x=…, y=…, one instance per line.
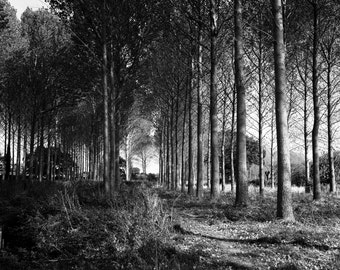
x=12, y=156
x=5, y=142
x=24, y=154
x=215, y=168
x=112, y=125
x=261, y=178
x=41, y=154
x=224, y=142
x=191, y=135
x=316, y=124
x=331, y=169
x=305, y=130
x=241, y=152
x=272, y=176
x=172, y=163
x=200, y=154
x=48, y=170
x=168, y=155
x=232, y=142
x=8, y=150
x=106, y=124
x=176, y=139
x=117, y=180
x=284, y=196
x=183, y=175
x=17, y=173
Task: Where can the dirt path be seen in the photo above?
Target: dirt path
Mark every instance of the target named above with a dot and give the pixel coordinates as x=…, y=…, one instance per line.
x=224, y=243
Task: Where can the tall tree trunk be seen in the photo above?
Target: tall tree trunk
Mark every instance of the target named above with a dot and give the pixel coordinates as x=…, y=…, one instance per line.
x=284, y=196
x=232, y=142
x=41, y=152
x=117, y=178
x=49, y=153
x=17, y=173
x=183, y=174
x=24, y=154
x=106, y=124
x=331, y=170
x=167, y=168
x=191, y=135
x=241, y=140
x=316, y=124
x=176, y=138
x=260, y=115
x=200, y=154
x=215, y=168
x=112, y=124
x=224, y=120
x=305, y=129
x=172, y=163
x=8, y=150
x=272, y=176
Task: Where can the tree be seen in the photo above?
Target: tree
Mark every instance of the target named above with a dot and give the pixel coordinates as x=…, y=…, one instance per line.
x=284, y=197
x=241, y=152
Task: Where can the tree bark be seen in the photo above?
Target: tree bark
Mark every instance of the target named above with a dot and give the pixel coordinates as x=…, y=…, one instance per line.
x=232, y=142
x=106, y=125
x=331, y=169
x=261, y=178
x=316, y=107
x=191, y=135
x=41, y=152
x=305, y=130
x=284, y=196
x=183, y=174
x=215, y=168
x=241, y=141
x=200, y=154
x=17, y=173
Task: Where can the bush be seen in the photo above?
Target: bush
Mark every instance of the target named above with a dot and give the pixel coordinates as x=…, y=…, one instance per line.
x=77, y=227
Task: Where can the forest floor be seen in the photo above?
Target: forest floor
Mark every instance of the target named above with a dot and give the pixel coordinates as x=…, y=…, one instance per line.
x=76, y=226
x=227, y=237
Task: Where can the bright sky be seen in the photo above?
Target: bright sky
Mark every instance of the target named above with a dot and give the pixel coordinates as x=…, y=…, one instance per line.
x=21, y=5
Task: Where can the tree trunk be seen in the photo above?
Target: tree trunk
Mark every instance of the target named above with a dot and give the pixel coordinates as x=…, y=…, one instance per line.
x=17, y=173
x=172, y=163
x=284, y=196
x=232, y=142
x=200, y=154
x=106, y=124
x=191, y=136
x=167, y=169
x=241, y=144
x=8, y=150
x=183, y=174
x=261, y=178
x=48, y=170
x=41, y=152
x=331, y=170
x=224, y=120
x=316, y=124
x=215, y=168
x=305, y=130
x=117, y=178
x=24, y=154
x=176, y=139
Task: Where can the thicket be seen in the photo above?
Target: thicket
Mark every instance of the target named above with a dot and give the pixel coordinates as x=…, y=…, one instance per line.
x=53, y=226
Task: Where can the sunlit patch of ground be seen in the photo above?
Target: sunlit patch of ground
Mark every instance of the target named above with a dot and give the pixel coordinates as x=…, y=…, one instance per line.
x=252, y=237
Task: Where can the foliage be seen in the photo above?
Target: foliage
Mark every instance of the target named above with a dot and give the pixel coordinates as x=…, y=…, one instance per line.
x=324, y=167
x=76, y=226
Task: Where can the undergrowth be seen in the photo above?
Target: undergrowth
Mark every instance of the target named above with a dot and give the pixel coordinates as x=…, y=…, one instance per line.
x=77, y=227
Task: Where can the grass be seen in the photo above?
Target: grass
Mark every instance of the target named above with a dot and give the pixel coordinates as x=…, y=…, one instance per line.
x=253, y=238
x=76, y=227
